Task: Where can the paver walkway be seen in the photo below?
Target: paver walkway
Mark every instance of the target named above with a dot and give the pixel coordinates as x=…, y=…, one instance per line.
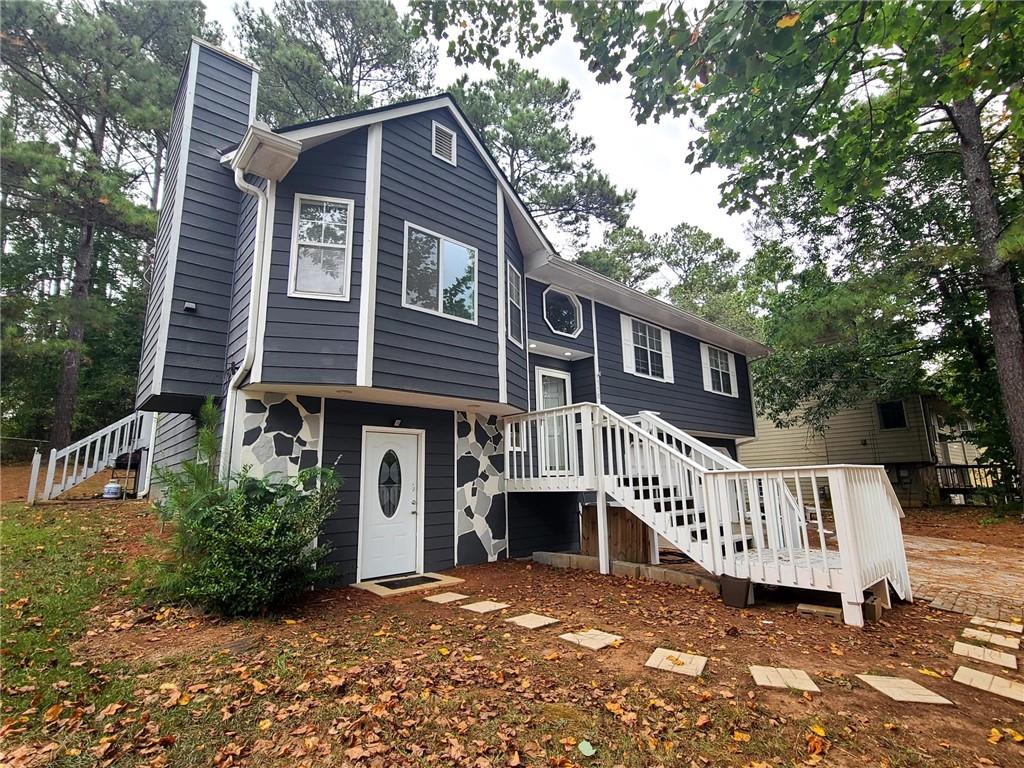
x=966, y=577
x=901, y=689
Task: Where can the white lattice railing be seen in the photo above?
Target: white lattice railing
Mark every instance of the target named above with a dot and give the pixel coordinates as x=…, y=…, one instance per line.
x=82, y=459
x=834, y=528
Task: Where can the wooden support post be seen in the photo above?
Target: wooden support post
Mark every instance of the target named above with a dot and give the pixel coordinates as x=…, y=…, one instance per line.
x=604, y=561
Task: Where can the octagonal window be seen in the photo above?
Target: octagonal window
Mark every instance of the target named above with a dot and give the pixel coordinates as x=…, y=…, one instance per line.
x=563, y=312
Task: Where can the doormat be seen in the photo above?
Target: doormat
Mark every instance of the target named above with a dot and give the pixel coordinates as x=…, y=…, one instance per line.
x=408, y=581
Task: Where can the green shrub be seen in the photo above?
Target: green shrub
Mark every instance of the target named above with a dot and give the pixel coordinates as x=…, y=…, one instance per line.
x=241, y=545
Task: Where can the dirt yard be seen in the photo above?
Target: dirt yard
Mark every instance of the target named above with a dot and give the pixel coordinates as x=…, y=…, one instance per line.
x=347, y=678
x=977, y=524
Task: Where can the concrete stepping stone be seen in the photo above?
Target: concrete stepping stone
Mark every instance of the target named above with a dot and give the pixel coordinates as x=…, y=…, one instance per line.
x=901, y=689
x=1002, y=626
x=592, y=639
x=984, y=681
x=988, y=655
x=484, y=606
x=992, y=638
x=783, y=677
x=532, y=621
x=681, y=663
x=445, y=597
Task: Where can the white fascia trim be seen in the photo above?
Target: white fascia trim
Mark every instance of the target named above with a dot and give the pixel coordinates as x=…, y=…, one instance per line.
x=347, y=124
x=164, y=327
x=597, y=361
x=256, y=374
x=368, y=279
x=502, y=299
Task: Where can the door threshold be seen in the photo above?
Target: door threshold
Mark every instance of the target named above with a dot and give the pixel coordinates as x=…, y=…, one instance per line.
x=414, y=582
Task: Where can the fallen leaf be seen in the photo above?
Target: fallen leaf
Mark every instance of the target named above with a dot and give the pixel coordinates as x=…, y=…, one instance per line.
x=929, y=672
x=703, y=721
x=1015, y=735
x=741, y=736
x=443, y=651
x=817, y=729
x=264, y=724
x=994, y=736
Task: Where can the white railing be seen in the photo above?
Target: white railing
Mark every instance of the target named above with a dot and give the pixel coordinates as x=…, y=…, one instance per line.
x=82, y=459
x=833, y=528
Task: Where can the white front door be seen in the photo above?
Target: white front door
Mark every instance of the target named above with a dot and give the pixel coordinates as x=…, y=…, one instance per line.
x=554, y=389
x=389, y=508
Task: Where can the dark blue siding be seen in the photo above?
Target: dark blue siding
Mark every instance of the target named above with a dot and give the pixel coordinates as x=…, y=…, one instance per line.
x=343, y=434
x=684, y=402
x=307, y=340
x=204, y=264
x=583, y=387
x=175, y=443
x=514, y=355
x=415, y=350
x=539, y=329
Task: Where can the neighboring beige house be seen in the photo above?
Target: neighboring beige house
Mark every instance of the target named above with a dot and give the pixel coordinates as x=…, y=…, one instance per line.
x=911, y=437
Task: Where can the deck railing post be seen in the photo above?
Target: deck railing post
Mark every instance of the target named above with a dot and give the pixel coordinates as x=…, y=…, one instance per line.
x=603, y=559
x=589, y=469
x=51, y=468
x=849, y=556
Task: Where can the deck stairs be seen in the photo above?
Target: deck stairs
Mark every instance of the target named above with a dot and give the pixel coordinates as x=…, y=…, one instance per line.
x=833, y=528
x=117, y=444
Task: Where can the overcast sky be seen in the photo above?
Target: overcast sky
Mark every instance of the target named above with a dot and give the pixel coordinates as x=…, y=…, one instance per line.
x=647, y=158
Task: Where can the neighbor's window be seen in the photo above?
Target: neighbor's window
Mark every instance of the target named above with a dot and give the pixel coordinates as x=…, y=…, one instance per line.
x=440, y=274
x=719, y=370
x=563, y=312
x=321, y=256
x=515, y=305
x=647, y=355
x=892, y=415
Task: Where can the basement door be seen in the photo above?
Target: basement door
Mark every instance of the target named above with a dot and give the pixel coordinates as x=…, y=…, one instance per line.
x=389, y=515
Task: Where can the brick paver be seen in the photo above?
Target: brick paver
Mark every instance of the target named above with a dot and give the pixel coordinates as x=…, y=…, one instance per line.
x=984, y=681
x=678, y=662
x=592, y=639
x=782, y=677
x=988, y=655
x=901, y=689
x=967, y=577
x=532, y=621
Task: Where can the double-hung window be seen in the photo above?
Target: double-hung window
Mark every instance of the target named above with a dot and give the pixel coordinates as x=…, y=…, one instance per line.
x=515, y=305
x=646, y=349
x=719, y=370
x=321, y=253
x=440, y=275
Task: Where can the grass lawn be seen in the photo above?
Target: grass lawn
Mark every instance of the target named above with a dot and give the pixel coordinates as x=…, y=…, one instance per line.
x=92, y=677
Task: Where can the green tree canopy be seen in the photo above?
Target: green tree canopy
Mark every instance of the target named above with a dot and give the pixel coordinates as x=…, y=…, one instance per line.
x=319, y=59
x=525, y=120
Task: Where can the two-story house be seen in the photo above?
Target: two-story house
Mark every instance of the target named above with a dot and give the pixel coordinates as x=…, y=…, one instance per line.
x=367, y=292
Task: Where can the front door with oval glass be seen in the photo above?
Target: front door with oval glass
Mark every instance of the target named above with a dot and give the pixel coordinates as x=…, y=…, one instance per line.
x=390, y=503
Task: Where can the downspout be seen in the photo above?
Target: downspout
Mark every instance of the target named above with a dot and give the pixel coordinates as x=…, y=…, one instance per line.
x=255, y=292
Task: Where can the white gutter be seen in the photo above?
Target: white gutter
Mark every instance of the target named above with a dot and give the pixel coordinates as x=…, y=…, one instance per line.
x=260, y=249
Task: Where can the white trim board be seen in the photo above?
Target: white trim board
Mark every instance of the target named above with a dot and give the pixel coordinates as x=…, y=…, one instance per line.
x=368, y=279
x=256, y=373
x=421, y=513
x=502, y=306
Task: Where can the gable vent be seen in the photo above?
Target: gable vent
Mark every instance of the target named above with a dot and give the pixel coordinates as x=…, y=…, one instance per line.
x=443, y=143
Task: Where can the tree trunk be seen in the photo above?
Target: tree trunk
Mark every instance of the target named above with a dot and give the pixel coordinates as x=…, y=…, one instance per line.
x=1004, y=317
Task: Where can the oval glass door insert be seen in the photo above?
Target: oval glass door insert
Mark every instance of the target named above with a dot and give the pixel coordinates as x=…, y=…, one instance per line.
x=389, y=483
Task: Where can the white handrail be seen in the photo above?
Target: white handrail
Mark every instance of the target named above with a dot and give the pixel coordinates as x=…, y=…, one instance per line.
x=94, y=453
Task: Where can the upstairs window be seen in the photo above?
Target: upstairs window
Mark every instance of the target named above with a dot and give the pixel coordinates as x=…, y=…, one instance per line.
x=719, y=371
x=442, y=143
x=321, y=252
x=563, y=312
x=646, y=349
x=892, y=415
x=440, y=275
x=515, y=305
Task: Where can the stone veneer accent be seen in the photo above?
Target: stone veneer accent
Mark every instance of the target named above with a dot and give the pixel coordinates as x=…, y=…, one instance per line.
x=280, y=433
x=480, y=521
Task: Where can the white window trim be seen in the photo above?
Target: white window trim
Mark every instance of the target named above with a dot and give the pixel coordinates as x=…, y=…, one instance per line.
x=705, y=364
x=554, y=373
x=440, y=273
x=576, y=303
x=629, y=357
x=453, y=160
x=293, y=256
x=906, y=416
x=509, y=272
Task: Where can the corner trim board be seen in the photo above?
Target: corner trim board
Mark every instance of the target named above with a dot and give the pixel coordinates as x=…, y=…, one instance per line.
x=502, y=306
x=256, y=374
x=368, y=278
x=184, y=147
